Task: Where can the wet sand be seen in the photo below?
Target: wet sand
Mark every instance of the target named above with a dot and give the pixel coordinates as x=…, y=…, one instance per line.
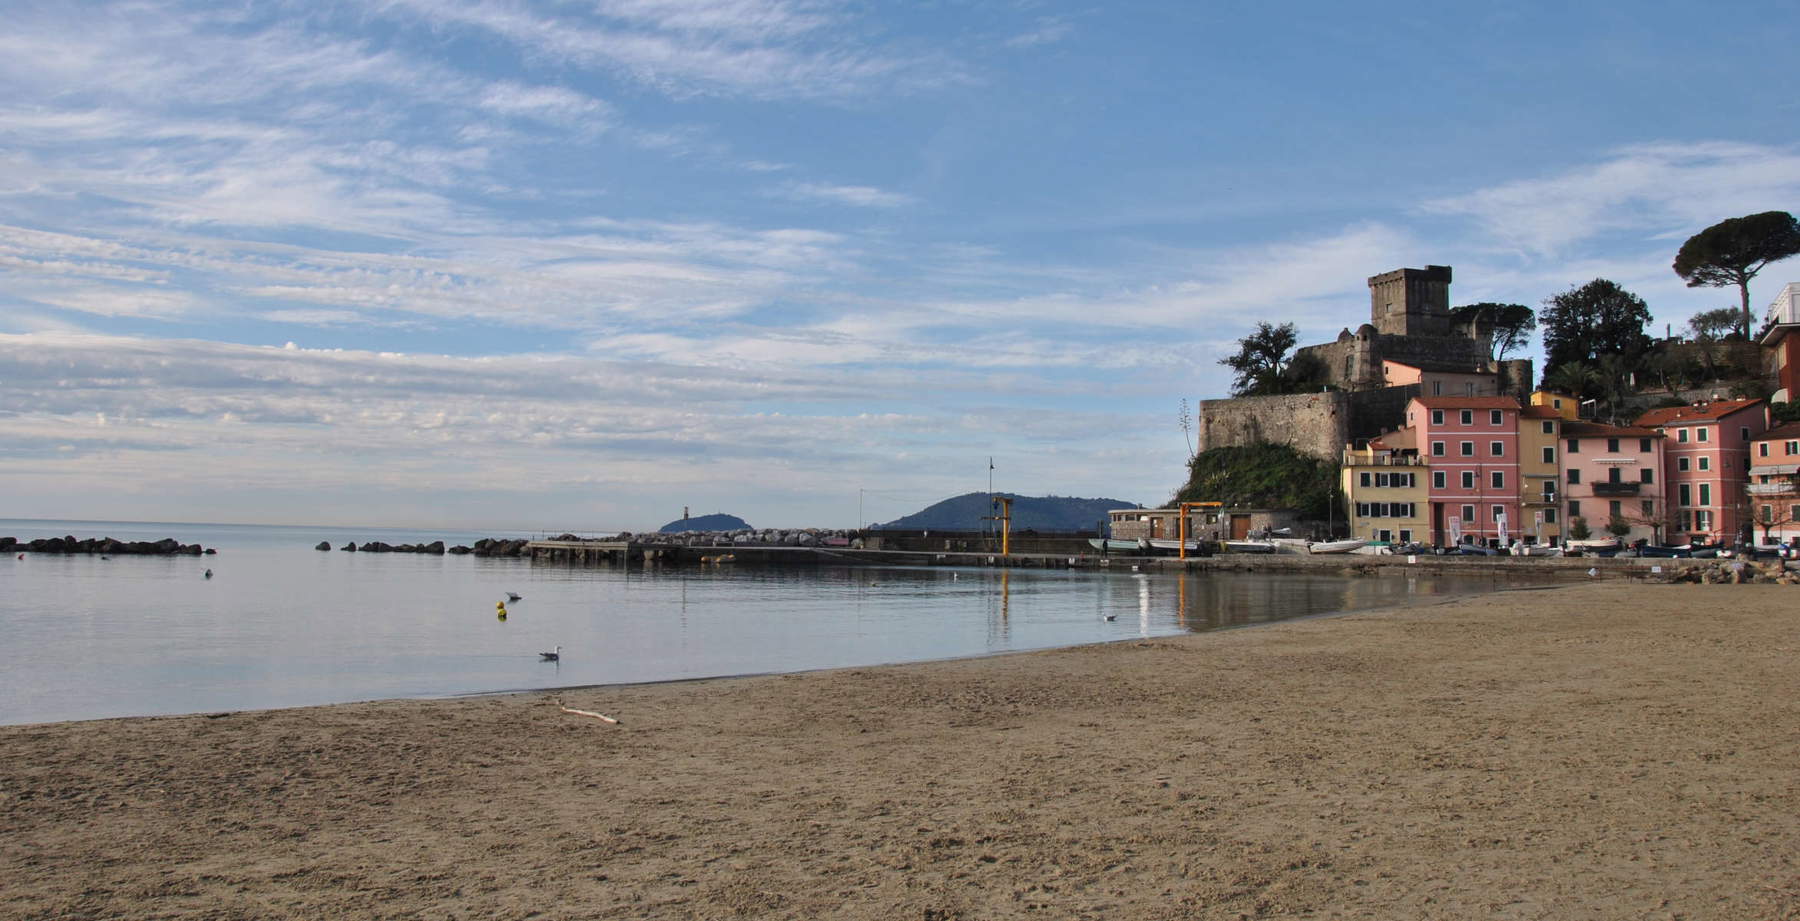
x=1594, y=751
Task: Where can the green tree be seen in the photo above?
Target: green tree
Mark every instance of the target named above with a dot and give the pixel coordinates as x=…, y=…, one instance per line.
x=1598, y=318
x=1708, y=327
x=1732, y=251
x=1574, y=378
x=1261, y=363
x=1578, y=529
x=1509, y=324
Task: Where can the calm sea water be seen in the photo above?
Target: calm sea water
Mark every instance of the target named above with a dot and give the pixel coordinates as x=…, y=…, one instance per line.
x=281, y=624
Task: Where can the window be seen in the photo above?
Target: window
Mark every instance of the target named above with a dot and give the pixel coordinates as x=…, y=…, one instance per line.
x=1468, y=449
x=1646, y=475
x=1557, y=404
x=1574, y=477
x=1681, y=436
x=1793, y=447
x=1649, y=508
x=1382, y=535
x=1364, y=480
x=1497, y=448
x=1468, y=417
x=1702, y=520
x=1762, y=449
x=1613, y=510
x=1437, y=417
x=1549, y=516
x=1686, y=493
x=1494, y=417
x=1574, y=508
x=1744, y=432
x=1615, y=475
x=1439, y=479
x=1406, y=535
x=1643, y=446
x=1794, y=513
x=1549, y=454
x=1681, y=464
x=1705, y=493
x=1496, y=512
x=1499, y=480
x=1378, y=509
x=1768, y=514
x=1612, y=445
x=1437, y=388
x=1549, y=427
x=1468, y=515
x=1468, y=479
x=1703, y=434
x=1362, y=509
x=1574, y=446
x=1437, y=449
x=1549, y=490
x=1469, y=388
x=1381, y=479
x=1705, y=462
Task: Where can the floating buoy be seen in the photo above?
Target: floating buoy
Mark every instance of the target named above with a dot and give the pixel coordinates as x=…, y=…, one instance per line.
x=500, y=610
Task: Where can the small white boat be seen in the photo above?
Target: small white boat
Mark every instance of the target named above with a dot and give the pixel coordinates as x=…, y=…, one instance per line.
x=1249, y=546
x=1535, y=550
x=1594, y=545
x=1337, y=546
x=1114, y=545
x=1171, y=544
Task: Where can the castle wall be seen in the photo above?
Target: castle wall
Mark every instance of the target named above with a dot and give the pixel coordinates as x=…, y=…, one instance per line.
x=1319, y=424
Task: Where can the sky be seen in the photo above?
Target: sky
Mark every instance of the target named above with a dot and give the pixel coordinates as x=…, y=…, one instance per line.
x=568, y=265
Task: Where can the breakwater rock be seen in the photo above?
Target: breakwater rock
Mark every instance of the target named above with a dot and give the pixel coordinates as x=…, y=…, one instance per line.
x=168, y=546
x=376, y=546
x=743, y=537
x=487, y=546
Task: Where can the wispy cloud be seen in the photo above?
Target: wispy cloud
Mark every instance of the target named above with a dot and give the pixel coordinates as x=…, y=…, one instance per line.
x=1047, y=32
x=861, y=196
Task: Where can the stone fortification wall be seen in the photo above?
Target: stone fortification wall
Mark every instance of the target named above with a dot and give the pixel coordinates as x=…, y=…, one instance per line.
x=1436, y=349
x=1319, y=424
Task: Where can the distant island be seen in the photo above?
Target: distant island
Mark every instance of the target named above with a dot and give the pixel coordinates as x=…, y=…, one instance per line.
x=718, y=521
x=1039, y=513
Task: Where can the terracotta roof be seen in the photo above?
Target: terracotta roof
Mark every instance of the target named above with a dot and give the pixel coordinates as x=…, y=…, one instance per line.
x=1602, y=430
x=1789, y=431
x=1468, y=402
x=1699, y=412
x=1405, y=439
x=1540, y=412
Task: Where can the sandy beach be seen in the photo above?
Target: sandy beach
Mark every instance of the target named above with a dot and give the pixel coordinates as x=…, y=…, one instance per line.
x=1594, y=751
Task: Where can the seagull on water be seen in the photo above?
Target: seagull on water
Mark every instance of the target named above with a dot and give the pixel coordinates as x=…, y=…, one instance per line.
x=513, y=596
x=552, y=656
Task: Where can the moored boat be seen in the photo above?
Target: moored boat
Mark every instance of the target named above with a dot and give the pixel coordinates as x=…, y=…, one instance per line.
x=1337, y=546
x=1249, y=546
x=1115, y=545
x=1595, y=545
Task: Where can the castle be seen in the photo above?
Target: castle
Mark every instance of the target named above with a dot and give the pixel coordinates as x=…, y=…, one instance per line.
x=1410, y=347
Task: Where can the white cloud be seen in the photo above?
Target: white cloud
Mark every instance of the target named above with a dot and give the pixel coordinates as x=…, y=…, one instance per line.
x=861, y=196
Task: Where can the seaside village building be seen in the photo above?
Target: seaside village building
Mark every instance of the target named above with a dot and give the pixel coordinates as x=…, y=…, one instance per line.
x=1385, y=488
x=1783, y=338
x=1708, y=448
x=1613, y=473
x=1774, y=488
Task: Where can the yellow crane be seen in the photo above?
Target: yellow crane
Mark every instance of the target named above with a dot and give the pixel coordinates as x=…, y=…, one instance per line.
x=1181, y=523
x=1005, y=519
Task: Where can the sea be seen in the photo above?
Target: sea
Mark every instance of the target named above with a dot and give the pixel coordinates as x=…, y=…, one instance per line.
x=281, y=624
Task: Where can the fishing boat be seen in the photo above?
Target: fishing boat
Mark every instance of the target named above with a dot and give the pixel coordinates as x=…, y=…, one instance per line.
x=1536, y=550
x=1684, y=550
x=1114, y=545
x=1337, y=546
x=1476, y=550
x=1595, y=545
x=1157, y=543
x=1249, y=546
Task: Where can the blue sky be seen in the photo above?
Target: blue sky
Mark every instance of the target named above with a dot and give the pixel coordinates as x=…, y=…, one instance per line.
x=582, y=264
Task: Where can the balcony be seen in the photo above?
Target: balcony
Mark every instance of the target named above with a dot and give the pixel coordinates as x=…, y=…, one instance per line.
x=1605, y=489
x=1363, y=460
x=1773, y=489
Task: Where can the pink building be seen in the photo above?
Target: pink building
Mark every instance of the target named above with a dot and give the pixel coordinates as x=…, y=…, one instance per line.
x=1472, y=447
x=1614, y=473
x=1706, y=463
x=1775, y=484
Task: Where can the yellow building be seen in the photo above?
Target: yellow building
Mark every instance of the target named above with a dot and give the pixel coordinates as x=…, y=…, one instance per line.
x=1564, y=405
x=1385, y=489
x=1540, y=427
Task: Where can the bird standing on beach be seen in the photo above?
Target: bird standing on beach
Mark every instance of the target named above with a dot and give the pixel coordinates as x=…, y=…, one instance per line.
x=552, y=656
x=513, y=596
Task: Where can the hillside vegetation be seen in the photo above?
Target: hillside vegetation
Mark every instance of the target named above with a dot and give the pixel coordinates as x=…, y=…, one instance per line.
x=1261, y=476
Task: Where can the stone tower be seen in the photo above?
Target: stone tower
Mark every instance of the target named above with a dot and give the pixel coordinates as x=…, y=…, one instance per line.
x=1411, y=302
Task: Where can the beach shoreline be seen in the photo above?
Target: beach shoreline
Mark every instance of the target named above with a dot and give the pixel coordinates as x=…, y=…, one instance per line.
x=1601, y=750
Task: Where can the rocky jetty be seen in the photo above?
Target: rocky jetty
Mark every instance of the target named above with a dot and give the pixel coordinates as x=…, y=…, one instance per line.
x=742, y=537
x=168, y=546
x=375, y=546
x=487, y=546
x=1738, y=572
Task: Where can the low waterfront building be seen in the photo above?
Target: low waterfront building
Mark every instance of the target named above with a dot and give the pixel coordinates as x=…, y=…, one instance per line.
x=1471, y=445
x=1203, y=524
x=1613, y=475
x=1774, y=487
x=1385, y=488
x=1707, y=465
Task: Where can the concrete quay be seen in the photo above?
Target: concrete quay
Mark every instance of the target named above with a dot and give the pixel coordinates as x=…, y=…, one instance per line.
x=1558, y=568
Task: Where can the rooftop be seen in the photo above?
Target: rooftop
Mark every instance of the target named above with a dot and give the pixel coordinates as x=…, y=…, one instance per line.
x=1469, y=403
x=1781, y=432
x=1696, y=412
x=1602, y=430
